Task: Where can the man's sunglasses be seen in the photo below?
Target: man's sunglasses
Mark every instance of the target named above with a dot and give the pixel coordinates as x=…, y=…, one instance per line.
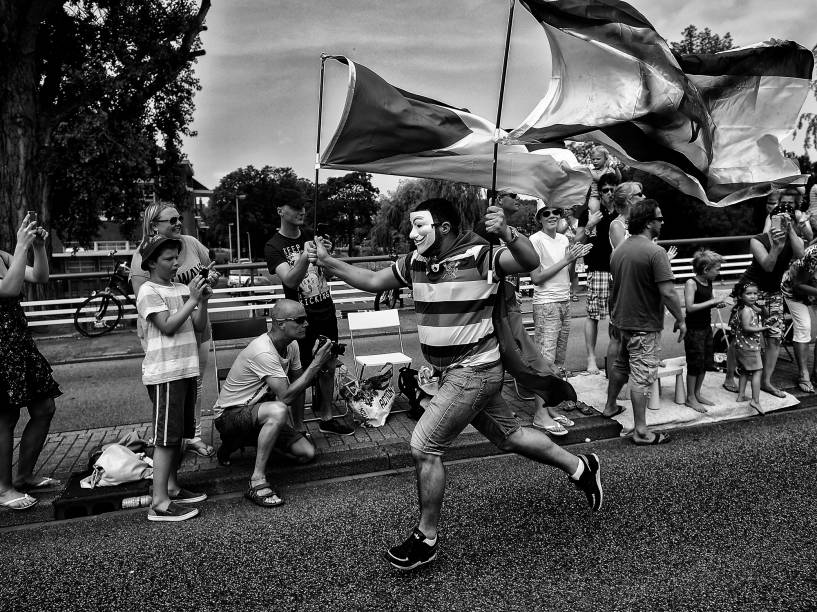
x=297, y=320
x=172, y=220
x=661, y=219
x=608, y=189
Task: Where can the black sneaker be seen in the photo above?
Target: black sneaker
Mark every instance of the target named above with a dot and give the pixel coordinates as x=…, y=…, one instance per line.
x=174, y=513
x=412, y=553
x=590, y=481
x=188, y=497
x=333, y=426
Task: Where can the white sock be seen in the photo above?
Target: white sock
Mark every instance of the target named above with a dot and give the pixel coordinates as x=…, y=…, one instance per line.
x=579, y=471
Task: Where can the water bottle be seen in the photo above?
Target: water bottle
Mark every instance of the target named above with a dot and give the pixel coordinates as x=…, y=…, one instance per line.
x=140, y=501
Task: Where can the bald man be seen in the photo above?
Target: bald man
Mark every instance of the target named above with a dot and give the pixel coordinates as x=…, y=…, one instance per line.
x=265, y=382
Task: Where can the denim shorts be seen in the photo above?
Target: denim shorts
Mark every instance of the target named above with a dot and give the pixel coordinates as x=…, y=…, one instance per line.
x=239, y=425
x=471, y=394
x=551, y=331
x=637, y=357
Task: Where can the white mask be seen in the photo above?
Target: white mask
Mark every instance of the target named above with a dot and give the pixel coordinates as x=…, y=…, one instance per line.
x=422, y=230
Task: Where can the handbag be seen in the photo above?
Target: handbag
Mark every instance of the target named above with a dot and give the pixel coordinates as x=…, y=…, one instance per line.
x=117, y=465
x=371, y=399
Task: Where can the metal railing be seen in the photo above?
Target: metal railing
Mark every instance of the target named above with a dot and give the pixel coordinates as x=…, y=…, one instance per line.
x=247, y=301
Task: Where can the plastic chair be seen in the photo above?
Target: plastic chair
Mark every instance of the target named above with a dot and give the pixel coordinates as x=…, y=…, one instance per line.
x=379, y=320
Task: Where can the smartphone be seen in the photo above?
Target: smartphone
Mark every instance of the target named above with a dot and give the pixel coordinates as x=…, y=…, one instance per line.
x=32, y=216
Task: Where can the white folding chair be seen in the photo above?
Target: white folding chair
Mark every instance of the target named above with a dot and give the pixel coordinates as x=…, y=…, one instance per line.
x=379, y=320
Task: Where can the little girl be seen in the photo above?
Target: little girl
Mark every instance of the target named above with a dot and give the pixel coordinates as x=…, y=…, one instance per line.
x=600, y=164
x=746, y=324
x=699, y=302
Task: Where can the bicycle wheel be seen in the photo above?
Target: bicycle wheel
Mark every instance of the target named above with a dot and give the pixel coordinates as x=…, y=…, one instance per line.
x=97, y=315
x=386, y=299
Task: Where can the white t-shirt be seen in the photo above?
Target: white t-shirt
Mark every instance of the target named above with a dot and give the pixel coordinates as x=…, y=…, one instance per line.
x=245, y=384
x=192, y=259
x=550, y=251
x=167, y=358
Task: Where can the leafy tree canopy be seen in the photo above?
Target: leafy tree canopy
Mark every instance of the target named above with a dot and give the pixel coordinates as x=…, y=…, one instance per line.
x=95, y=97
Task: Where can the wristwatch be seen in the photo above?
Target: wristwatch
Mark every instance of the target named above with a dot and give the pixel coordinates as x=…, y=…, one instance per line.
x=514, y=235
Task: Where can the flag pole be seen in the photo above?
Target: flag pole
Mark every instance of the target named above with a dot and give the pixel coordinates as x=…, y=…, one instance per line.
x=324, y=57
x=492, y=194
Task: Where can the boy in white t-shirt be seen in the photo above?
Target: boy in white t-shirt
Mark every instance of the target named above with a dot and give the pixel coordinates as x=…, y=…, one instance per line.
x=170, y=369
x=551, y=302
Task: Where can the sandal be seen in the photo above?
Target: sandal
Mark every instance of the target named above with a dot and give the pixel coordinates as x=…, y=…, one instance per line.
x=43, y=482
x=804, y=384
x=773, y=391
x=660, y=438
x=269, y=500
x=732, y=388
x=563, y=420
x=618, y=411
x=25, y=502
x=554, y=430
x=200, y=448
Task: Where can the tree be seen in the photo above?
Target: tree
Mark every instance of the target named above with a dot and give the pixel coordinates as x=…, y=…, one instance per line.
x=265, y=190
x=91, y=93
x=701, y=41
x=348, y=202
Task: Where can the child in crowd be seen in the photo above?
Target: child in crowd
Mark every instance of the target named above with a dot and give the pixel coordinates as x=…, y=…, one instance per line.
x=600, y=164
x=699, y=303
x=747, y=326
x=170, y=368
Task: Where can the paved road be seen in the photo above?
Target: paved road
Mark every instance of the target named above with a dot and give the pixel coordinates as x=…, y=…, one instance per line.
x=106, y=393
x=720, y=519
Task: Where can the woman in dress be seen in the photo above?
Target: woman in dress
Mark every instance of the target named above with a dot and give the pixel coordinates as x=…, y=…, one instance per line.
x=162, y=218
x=25, y=375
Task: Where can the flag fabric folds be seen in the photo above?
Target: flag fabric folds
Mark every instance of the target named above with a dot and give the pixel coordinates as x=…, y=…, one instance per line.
x=387, y=130
x=709, y=125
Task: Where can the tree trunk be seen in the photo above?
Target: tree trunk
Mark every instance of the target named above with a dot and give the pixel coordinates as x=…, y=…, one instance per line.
x=23, y=182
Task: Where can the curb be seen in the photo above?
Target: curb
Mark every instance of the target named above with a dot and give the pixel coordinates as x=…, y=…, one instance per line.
x=215, y=479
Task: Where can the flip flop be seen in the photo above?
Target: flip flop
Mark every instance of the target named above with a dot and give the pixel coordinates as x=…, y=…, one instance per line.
x=554, y=430
x=660, y=438
x=15, y=504
x=619, y=410
x=733, y=388
x=805, y=385
x=202, y=450
x=43, y=483
x=563, y=420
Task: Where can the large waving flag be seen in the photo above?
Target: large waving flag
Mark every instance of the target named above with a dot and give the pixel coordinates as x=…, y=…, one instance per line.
x=616, y=83
x=387, y=130
x=754, y=95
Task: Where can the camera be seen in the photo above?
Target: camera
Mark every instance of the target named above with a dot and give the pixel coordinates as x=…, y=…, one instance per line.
x=337, y=349
x=205, y=274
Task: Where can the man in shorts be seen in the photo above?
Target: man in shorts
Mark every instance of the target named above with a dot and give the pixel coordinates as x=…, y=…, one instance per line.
x=594, y=228
x=642, y=286
x=264, y=382
x=455, y=281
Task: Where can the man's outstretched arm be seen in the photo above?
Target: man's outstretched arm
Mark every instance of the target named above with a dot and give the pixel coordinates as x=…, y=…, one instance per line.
x=359, y=278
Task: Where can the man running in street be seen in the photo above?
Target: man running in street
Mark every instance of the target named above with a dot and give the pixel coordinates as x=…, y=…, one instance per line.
x=454, y=288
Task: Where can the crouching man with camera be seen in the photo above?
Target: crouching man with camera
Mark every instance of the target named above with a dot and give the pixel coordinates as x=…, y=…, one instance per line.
x=265, y=384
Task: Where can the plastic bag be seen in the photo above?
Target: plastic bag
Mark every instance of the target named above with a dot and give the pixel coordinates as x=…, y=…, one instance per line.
x=371, y=399
x=117, y=465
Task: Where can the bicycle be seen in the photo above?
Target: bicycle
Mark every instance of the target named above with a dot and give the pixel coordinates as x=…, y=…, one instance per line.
x=101, y=312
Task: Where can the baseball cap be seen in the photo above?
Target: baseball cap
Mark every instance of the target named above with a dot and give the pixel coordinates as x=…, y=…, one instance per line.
x=150, y=248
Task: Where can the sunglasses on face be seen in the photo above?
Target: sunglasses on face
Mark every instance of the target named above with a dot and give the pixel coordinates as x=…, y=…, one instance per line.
x=661, y=219
x=296, y=320
x=640, y=194
x=607, y=189
x=172, y=220
x=547, y=213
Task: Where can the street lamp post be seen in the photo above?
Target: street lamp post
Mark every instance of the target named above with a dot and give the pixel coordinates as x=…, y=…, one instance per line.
x=230, y=237
x=238, y=227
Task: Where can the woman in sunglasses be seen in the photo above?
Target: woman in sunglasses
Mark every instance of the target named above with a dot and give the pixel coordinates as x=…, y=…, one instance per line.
x=163, y=219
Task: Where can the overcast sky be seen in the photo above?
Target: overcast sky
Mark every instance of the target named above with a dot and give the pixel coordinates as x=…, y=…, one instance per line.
x=260, y=76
